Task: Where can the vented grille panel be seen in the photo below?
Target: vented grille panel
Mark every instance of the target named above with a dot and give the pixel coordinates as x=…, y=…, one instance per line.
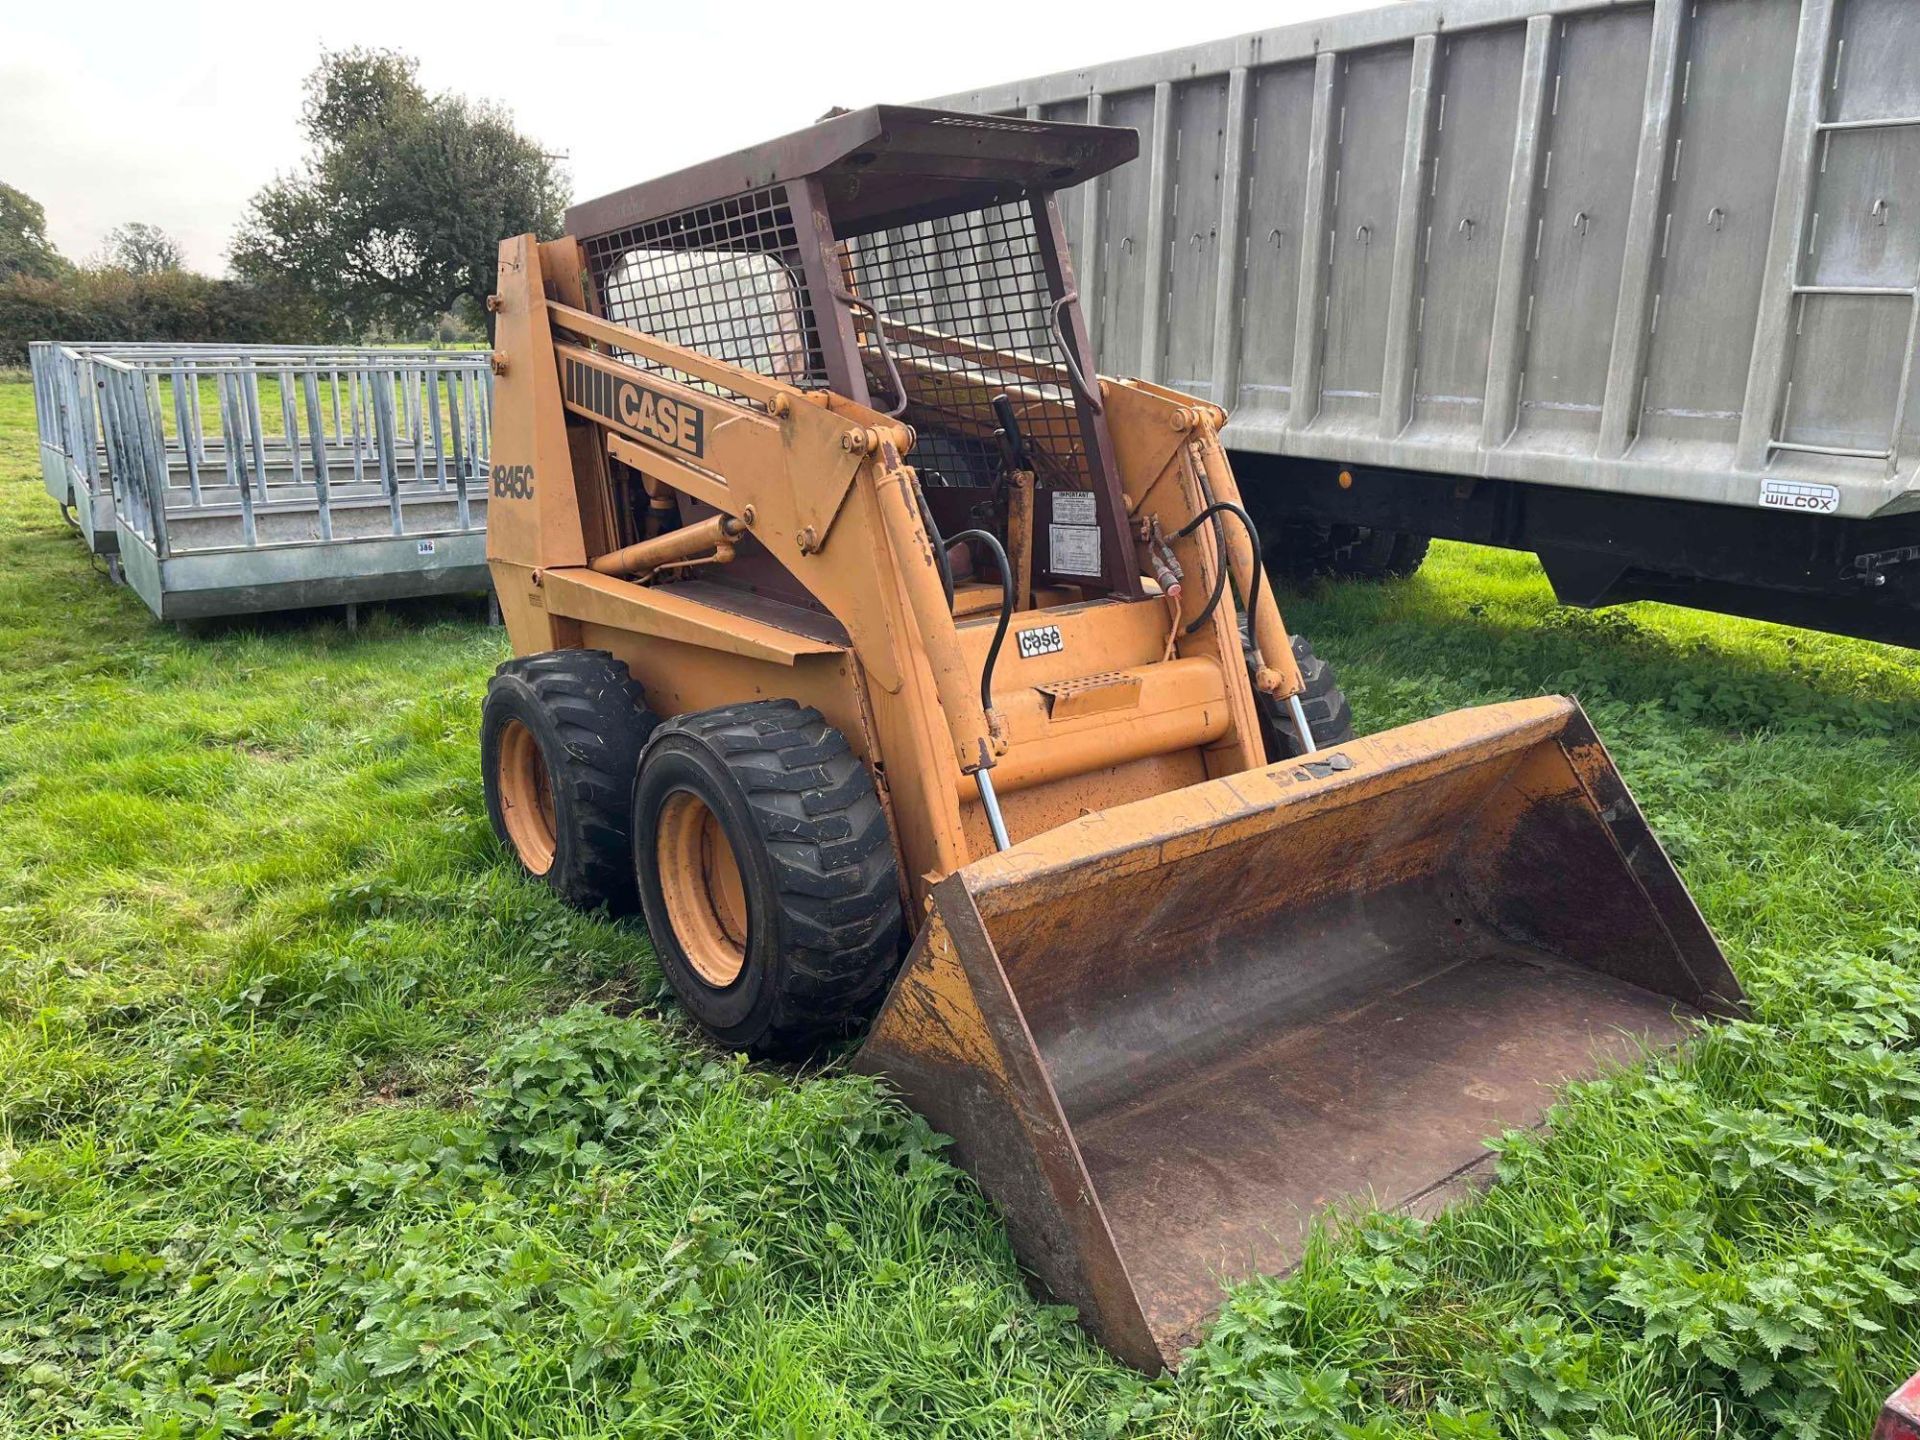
x=724, y=279
x=966, y=312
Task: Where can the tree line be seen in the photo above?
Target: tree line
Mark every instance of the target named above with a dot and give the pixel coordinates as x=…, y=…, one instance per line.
x=385, y=229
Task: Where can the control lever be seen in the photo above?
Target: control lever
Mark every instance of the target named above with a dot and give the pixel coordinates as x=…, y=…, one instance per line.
x=1013, y=446
x=1017, y=477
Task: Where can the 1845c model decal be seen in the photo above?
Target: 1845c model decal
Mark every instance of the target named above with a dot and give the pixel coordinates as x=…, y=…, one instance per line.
x=511, y=482
x=673, y=423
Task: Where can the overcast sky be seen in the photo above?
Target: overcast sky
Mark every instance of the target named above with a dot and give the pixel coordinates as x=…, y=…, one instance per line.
x=174, y=112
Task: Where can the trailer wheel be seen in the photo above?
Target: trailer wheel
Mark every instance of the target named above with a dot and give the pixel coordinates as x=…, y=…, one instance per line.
x=1303, y=549
x=1329, y=715
x=766, y=874
x=560, y=740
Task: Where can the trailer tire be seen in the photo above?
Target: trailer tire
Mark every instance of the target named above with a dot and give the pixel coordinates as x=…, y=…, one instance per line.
x=560, y=740
x=1329, y=715
x=766, y=872
x=1303, y=549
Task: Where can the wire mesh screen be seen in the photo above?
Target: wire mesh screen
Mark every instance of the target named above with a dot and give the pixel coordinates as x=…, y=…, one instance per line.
x=966, y=312
x=724, y=279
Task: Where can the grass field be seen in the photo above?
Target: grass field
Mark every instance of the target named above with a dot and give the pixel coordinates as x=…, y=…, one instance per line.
x=315, y=1120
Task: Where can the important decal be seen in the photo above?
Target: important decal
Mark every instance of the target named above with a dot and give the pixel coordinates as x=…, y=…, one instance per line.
x=1041, y=640
x=1802, y=495
x=676, y=424
x=1075, y=507
x=1073, y=539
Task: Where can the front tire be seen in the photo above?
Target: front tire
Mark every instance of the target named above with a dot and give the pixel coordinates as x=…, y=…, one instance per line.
x=766, y=874
x=1329, y=715
x=560, y=740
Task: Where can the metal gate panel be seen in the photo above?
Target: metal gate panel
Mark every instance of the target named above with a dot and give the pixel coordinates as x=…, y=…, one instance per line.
x=1193, y=240
x=1722, y=168
x=1580, y=238
x=1271, y=235
x=1370, y=136
x=1475, y=113
x=1123, y=262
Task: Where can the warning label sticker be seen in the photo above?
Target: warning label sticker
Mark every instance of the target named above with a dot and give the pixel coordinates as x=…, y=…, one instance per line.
x=1075, y=550
x=1074, y=507
x=1802, y=495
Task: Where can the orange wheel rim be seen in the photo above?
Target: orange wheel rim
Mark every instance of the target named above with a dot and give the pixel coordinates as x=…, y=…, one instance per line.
x=700, y=881
x=526, y=798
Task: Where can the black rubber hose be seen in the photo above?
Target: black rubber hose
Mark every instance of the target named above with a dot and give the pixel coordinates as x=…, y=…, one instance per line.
x=1006, y=609
x=1220, y=582
x=939, y=545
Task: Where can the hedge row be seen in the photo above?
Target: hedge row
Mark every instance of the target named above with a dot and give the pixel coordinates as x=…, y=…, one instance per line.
x=118, y=305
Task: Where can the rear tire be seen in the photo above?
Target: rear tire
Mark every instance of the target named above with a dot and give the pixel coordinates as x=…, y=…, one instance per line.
x=1303, y=549
x=767, y=875
x=560, y=740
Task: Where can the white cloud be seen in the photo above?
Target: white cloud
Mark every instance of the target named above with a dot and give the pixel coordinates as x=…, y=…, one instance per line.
x=175, y=112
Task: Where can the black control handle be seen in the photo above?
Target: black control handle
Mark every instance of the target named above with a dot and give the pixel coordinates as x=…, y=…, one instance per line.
x=1011, y=441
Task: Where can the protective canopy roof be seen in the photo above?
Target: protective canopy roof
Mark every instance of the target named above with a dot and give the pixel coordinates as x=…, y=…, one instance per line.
x=882, y=166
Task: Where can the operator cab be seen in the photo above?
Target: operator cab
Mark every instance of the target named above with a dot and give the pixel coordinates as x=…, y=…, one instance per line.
x=912, y=261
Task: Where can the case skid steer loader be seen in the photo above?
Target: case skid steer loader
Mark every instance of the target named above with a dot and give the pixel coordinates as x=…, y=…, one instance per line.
x=893, y=664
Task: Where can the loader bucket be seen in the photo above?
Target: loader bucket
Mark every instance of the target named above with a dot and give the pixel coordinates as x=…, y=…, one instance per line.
x=1166, y=1036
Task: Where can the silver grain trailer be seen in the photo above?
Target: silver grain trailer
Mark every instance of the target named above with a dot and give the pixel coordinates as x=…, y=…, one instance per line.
x=1634, y=287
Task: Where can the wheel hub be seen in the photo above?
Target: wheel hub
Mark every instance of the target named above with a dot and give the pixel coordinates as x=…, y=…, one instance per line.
x=526, y=798
x=700, y=882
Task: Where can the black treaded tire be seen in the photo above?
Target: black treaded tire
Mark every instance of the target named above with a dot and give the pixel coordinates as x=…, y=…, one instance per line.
x=815, y=863
x=588, y=718
x=1329, y=715
x=1303, y=549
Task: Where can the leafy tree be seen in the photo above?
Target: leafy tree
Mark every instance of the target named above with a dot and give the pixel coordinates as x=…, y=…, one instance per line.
x=24, y=247
x=396, y=215
x=141, y=250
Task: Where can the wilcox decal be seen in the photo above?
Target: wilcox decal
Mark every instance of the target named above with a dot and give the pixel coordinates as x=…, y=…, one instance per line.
x=1805, y=496
x=676, y=424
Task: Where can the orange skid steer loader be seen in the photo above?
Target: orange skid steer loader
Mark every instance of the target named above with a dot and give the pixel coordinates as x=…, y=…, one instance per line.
x=901, y=669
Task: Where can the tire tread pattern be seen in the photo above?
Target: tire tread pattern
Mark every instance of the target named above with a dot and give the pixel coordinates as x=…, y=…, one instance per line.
x=1303, y=549
x=600, y=713
x=1328, y=712
x=833, y=861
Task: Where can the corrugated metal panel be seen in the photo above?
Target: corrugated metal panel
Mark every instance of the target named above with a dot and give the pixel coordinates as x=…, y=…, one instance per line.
x=1670, y=248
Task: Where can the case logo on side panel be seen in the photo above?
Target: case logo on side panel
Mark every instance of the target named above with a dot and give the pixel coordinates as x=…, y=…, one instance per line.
x=676, y=424
x=1041, y=640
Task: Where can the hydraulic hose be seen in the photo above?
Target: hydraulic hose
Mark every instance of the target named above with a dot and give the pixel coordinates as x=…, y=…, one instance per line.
x=1297, y=710
x=1006, y=608
x=983, y=777
x=1220, y=581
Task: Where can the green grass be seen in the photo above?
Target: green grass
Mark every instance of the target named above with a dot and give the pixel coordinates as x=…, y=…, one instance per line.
x=337, y=404
x=314, y=1119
